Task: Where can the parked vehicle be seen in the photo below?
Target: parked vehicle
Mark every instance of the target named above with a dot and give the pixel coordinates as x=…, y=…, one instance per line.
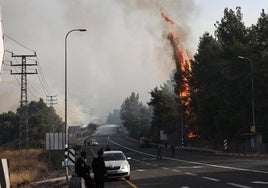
x=145, y=142
x=93, y=142
x=116, y=164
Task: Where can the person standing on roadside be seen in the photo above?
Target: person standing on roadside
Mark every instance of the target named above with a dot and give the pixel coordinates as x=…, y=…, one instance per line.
x=159, y=152
x=83, y=170
x=99, y=169
x=172, y=148
x=108, y=148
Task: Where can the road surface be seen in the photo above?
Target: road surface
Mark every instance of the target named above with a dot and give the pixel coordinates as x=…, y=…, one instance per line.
x=184, y=169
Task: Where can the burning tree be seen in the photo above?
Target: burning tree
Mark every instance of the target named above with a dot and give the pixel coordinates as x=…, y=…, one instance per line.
x=182, y=76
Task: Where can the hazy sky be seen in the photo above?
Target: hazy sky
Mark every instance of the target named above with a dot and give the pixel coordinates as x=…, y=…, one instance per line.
x=125, y=47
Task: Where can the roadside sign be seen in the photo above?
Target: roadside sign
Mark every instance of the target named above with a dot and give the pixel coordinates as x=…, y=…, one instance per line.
x=71, y=159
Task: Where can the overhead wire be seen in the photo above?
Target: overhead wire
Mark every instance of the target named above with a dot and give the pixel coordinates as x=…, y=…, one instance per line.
x=42, y=80
x=41, y=76
x=32, y=90
x=9, y=37
x=44, y=88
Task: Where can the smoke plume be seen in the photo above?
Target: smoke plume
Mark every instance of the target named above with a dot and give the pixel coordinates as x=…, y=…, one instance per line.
x=125, y=49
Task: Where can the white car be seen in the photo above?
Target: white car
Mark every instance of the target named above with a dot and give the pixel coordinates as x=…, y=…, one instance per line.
x=93, y=142
x=116, y=164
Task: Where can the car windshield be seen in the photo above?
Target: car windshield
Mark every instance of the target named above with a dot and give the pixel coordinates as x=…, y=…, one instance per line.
x=114, y=156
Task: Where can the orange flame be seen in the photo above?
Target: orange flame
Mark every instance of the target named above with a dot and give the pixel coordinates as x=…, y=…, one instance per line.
x=192, y=135
x=171, y=22
x=182, y=58
x=183, y=63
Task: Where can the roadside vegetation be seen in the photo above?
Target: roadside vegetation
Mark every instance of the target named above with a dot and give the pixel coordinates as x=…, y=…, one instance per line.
x=24, y=171
x=41, y=119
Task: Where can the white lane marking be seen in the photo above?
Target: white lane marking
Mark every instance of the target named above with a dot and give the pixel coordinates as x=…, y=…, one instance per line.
x=198, y=166
x=140, y=170
x=192, y=162
x=147, y=159
x=176, y=170
x=191, y=174
x=238, y=185
x=155, y=165
x=260, y=182
x=148, y=163
x=165, y=168
x=185, y=187
x=190, y=167
x=212, y=179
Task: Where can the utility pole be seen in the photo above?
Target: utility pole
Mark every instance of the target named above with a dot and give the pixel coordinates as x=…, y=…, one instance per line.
x=23, y=97
x=51, y=100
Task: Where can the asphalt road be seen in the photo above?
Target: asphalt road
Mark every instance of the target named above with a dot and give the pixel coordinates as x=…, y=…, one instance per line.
x=184, y=169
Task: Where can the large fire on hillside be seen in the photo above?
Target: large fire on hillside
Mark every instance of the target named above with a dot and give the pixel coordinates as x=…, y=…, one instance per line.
x=183, y=63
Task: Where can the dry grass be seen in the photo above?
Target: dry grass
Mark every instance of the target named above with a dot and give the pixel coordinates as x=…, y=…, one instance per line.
x=24, y=171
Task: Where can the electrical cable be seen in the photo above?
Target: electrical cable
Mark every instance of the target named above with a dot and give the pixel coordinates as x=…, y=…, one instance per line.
x=41, y=76
x=18, y=42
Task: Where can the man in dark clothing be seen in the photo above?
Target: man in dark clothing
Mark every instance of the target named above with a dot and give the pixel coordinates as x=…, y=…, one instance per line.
x=108, y=148
x=159, y=152
x=99, y=170
x=83, y=170
x=172, y=147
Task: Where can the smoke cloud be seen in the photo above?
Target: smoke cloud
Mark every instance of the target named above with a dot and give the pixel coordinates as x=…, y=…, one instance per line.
x=125, y=49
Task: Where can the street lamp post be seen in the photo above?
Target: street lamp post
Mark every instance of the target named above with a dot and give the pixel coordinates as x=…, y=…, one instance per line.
x=182, y=127
x=252, y=94
x=65, y=116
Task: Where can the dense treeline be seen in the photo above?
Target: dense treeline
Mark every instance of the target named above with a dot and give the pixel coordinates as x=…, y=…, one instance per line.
x=135, y=116
x=114, y=118
x=166, y=111
x=220, y=86
x=221, y=81
x=41, y=119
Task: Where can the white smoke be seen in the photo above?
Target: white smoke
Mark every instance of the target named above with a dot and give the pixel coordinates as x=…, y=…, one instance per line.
x=125, y=48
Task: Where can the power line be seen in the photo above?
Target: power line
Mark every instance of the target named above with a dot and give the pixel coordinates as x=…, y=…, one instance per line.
x=42, y=78
x=42, y=74
x=18, y=42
